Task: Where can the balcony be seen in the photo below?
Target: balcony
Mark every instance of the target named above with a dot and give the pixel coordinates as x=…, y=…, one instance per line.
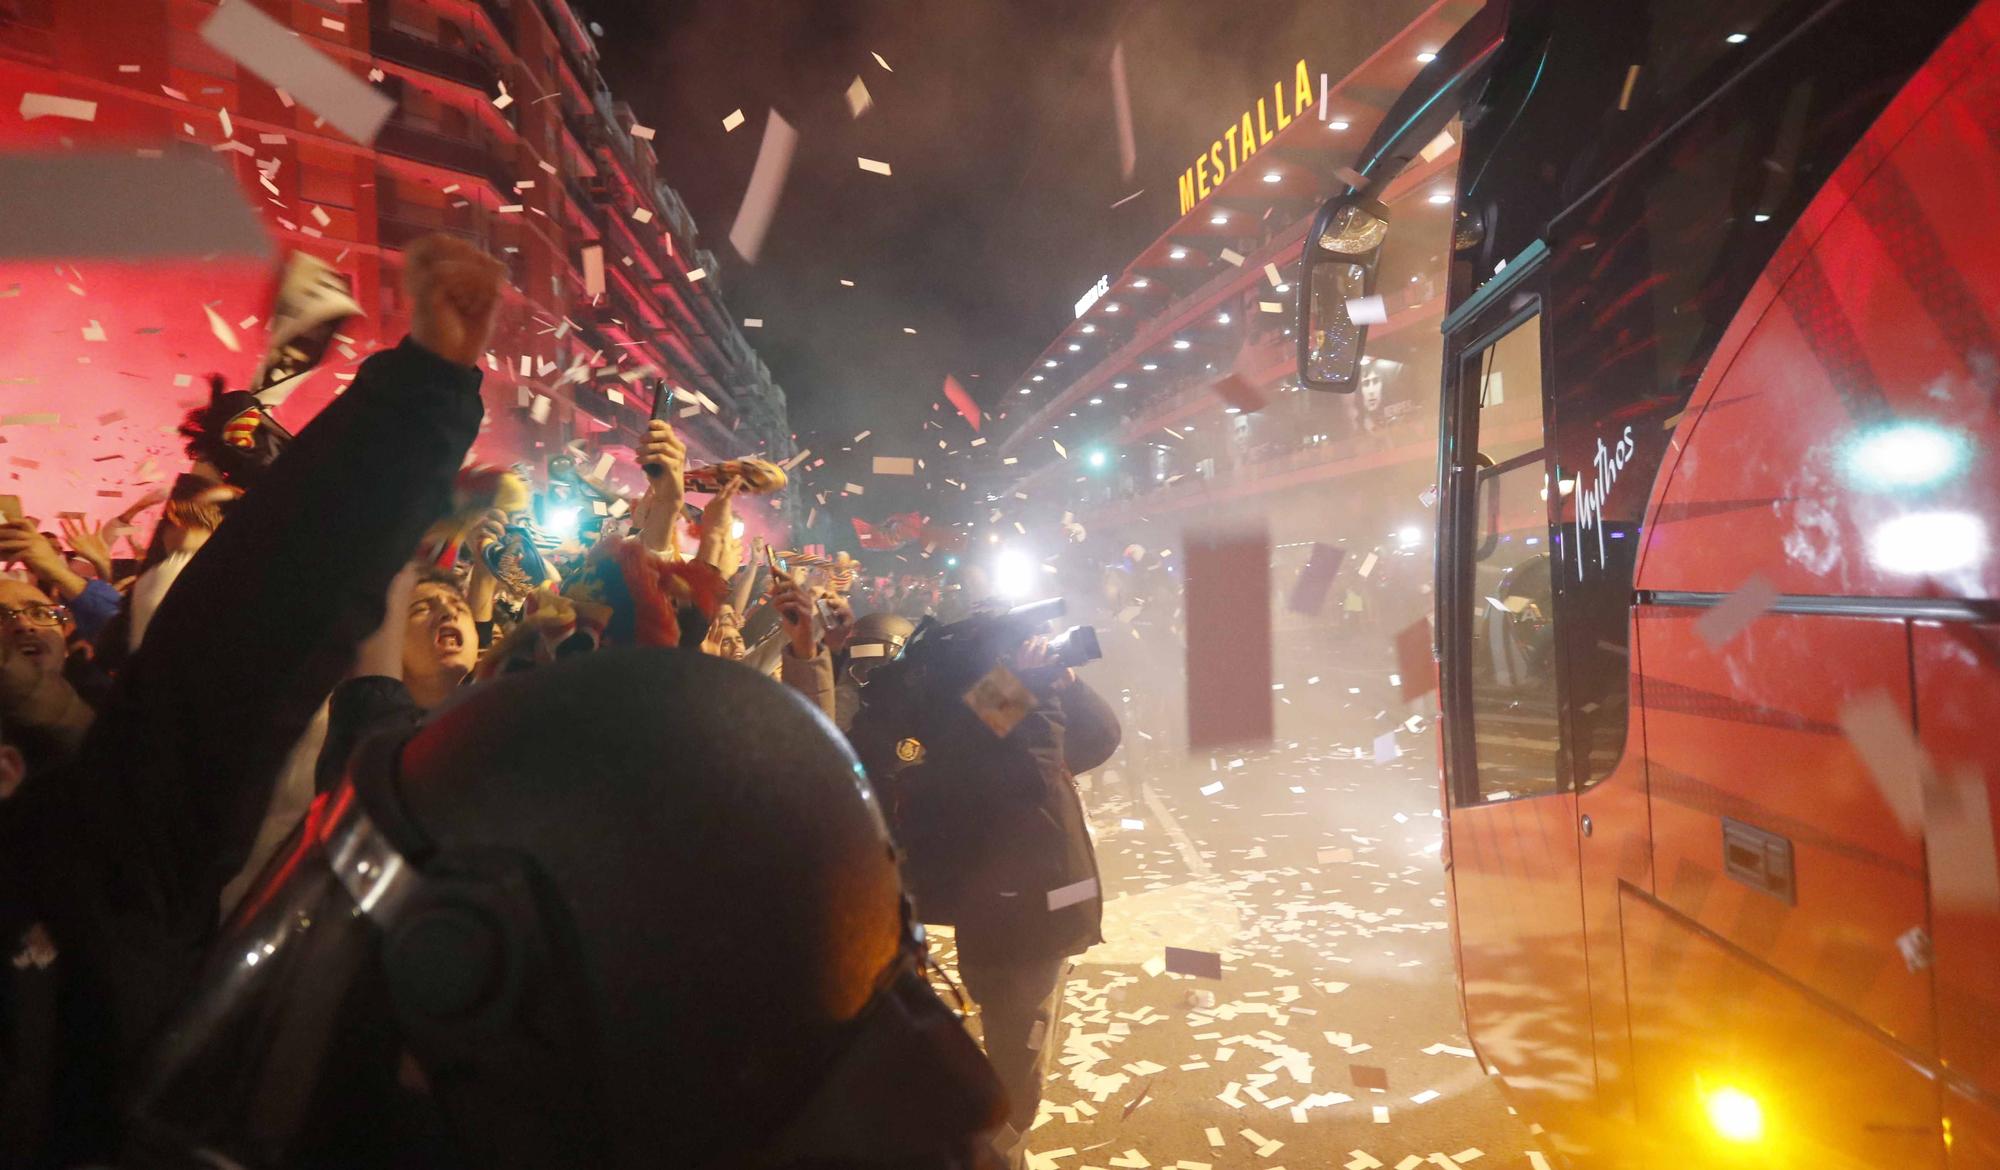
x=392, y=44
x=394, y=231
x=405, y=138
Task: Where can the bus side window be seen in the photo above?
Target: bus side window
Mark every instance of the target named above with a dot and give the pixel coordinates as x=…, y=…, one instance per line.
x=1516, y=727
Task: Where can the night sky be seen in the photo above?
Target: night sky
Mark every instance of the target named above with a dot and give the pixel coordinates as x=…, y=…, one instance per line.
x=997, y=120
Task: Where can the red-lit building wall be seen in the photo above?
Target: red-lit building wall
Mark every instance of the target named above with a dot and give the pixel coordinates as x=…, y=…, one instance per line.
x=534, y=180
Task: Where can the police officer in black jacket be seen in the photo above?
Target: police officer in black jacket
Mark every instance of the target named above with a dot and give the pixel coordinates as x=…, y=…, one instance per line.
x=990, y=823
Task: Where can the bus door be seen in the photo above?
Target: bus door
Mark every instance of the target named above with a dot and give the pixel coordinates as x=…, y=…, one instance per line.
x=1513, y=810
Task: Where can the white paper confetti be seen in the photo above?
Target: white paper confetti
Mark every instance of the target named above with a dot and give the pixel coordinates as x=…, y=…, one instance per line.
x=46, y=105
x=733, y=120
x=222, y=331
x=871, y=165
x=767, y=184
x=1729, y=617
x=285, y=60
x=859, y=101
x=1367, y=310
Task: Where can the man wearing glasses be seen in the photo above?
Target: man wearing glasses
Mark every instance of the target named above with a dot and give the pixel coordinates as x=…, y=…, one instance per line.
x=34, y=646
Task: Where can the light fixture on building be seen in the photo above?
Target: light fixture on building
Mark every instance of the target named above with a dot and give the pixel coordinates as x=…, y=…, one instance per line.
x=1426, y=58
x=1222, y=318
x=1273, y=177
x=1182, y=343
x=1219, y=218
x=1440, y=197
x=1177, y=254
x=1073, y=347
x=1142, y=282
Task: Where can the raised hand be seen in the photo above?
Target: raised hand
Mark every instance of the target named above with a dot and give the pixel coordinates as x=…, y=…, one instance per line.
x=662, y=455
x=89, y=543
x=454, y=291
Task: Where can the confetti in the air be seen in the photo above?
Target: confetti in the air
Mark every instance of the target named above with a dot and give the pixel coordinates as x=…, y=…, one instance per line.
x=278, y=55
x=859, y=101
x=767, y=184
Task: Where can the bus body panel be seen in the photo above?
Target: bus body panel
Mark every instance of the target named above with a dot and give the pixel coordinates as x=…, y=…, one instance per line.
x=1520, y=943
x=1708, y=1020
x=1751, y=735
x=1957, y=673
x=1616, y=855
x=1841, y=445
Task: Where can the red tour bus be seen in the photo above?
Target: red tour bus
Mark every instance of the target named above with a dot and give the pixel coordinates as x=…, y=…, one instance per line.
x=1718, y=572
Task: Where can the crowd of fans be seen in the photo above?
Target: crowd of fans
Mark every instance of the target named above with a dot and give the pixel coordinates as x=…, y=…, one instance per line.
x=168, y=720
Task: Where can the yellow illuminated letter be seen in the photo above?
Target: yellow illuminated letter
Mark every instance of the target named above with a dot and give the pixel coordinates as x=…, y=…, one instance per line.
x=1278, y=104
x=1302, y=89
x=1201, y=175
x=1249, y=137
x=1229, y=135
x=1263, y=129
x=1187, y=190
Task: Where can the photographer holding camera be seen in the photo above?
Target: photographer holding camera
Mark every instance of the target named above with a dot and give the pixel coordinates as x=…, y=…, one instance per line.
x=973, y=738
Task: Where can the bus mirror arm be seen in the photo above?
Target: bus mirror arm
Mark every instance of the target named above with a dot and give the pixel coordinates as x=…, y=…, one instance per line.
x=1344, y=246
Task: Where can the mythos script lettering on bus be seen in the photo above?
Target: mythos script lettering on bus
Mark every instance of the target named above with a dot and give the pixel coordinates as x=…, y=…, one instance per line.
x=1590, y=498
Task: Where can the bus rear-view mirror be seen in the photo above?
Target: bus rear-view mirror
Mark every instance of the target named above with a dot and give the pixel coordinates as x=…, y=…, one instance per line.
x=1339, y=302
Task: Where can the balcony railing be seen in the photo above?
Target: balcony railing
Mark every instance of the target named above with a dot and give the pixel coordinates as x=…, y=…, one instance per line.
x=392, y=44
x=403, y=138
x=398, y=232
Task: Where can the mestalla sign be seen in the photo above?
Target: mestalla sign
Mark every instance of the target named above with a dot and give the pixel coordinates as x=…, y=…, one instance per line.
x=1245, y=137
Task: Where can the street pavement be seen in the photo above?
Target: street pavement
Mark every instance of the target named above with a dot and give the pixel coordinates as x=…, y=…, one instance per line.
x=1333, y=1037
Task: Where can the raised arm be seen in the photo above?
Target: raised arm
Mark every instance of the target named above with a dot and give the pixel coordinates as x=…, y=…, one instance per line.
x=268, y=615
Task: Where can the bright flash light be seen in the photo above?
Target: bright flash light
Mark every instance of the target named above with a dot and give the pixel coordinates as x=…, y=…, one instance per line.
x=562, y=523
x=1735, y=1114
x=1098, y=458
x=736, y=530
x=1903, y=456
x=1928, y=542
x=1409, y=537
x=951, y=562
x=992, y=538
x=1013, y=573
